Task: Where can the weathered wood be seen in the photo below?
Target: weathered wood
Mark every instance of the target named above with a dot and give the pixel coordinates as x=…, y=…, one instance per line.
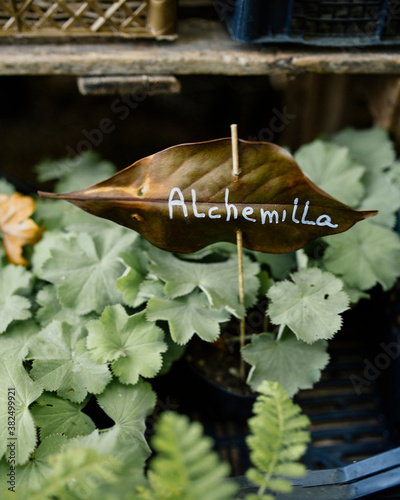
x=203, y=47
x=123, y=85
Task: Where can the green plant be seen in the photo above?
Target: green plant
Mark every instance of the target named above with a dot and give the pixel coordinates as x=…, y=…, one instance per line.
x=97, y=310
x=277, y=440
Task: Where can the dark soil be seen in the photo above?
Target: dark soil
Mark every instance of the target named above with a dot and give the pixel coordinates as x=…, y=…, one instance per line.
x=220, y=364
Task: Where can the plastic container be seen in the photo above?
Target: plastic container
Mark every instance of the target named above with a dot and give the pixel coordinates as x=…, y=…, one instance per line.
x=316, y=22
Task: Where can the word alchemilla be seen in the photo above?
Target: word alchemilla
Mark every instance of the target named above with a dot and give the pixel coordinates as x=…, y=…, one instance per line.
x=176, y=201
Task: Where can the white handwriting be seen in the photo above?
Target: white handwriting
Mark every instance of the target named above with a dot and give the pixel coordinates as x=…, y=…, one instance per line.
x=176, y=201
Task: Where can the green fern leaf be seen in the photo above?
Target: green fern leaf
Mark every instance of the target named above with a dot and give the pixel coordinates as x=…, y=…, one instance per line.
x=185, y=467
x=278, y=440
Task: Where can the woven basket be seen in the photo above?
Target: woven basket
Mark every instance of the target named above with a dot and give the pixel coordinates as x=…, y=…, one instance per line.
x=60, y=18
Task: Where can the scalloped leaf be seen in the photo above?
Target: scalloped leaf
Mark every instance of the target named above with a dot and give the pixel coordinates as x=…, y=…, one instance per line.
x=13, y=306
x=186, y=316
x=310, y=304
x=331, y=167
x=217, y=280
x=84, y=269
x=186, y=197
x=54, y=415
x=291, y=362
x=62, y=363
x=132, y=344
x=371, y=147
x=36, y=470
x=15, y=418
x=129, y=407
x=368, y=255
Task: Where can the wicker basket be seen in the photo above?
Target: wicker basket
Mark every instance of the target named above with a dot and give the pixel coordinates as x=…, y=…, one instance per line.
x=60, y=18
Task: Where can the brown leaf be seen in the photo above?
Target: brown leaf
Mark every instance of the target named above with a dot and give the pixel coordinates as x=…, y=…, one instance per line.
x=16, y=227
x=186, y=197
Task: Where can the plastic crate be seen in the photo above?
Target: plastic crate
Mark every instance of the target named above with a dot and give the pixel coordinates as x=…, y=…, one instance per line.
x=315, y=22
x=59, y=18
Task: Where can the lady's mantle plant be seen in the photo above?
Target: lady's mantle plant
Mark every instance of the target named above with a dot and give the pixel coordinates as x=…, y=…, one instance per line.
x=96, y=312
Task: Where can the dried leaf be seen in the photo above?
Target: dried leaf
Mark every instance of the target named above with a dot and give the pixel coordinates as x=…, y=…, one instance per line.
x=16, y=227
x=186, y=197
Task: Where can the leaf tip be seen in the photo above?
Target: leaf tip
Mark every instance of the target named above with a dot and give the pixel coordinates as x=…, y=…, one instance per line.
x=369, y=213
x=44, y=194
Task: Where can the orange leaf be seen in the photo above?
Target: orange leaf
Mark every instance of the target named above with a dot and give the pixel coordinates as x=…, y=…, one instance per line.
x=16, y=227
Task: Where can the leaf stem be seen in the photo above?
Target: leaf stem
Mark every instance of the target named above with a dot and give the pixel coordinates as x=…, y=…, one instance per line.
x=239, y=244
x=280, y=331
x=301, y=259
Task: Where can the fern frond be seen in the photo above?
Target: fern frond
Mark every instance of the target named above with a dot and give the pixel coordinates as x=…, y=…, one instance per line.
x=185, y=467
x=277, y=441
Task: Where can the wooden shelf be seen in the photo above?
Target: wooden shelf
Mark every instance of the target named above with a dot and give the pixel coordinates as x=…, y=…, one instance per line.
x=203, y=47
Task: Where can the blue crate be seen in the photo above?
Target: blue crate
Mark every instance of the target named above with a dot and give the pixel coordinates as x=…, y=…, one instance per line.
x=316, y=22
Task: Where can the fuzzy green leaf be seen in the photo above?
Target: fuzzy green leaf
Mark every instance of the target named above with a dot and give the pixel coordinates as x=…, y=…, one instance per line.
x=12, y=305
x=310, y=304
x=128, y=407
x=186, y=316
x=131, y=343
x=367, y=255
x=277, y=439
x=280, y=264
x=371, y=147
x=42, y=250
x=34, y=473
x=56, y=216
x=17, y=393
x=54, y=415
x=291, y=362
x=332, y=169
x=50, y=309
x=87, y=168
x=15, y=342
x=84, y=269
x=62, y=363
x=218, y=281
x=185, y=466
x=78, y=221
x=134, y=275
x=393, y=174
x=383, y=196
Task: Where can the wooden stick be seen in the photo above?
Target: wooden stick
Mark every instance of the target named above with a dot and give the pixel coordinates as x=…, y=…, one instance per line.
x=235, y=149
x=239, y=244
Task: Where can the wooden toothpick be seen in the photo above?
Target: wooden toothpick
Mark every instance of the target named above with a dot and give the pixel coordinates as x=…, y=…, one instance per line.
x=239, y=244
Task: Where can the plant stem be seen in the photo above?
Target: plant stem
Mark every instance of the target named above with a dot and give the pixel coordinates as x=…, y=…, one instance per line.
x=301, y=259
x=239, y=244
x=280, y=331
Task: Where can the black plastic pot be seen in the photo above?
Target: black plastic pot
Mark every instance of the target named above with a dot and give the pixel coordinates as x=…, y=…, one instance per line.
x=374, y=478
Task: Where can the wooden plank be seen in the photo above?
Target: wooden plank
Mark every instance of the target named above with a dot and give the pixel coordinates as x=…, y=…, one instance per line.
x=127, y=85
x=203, y=47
